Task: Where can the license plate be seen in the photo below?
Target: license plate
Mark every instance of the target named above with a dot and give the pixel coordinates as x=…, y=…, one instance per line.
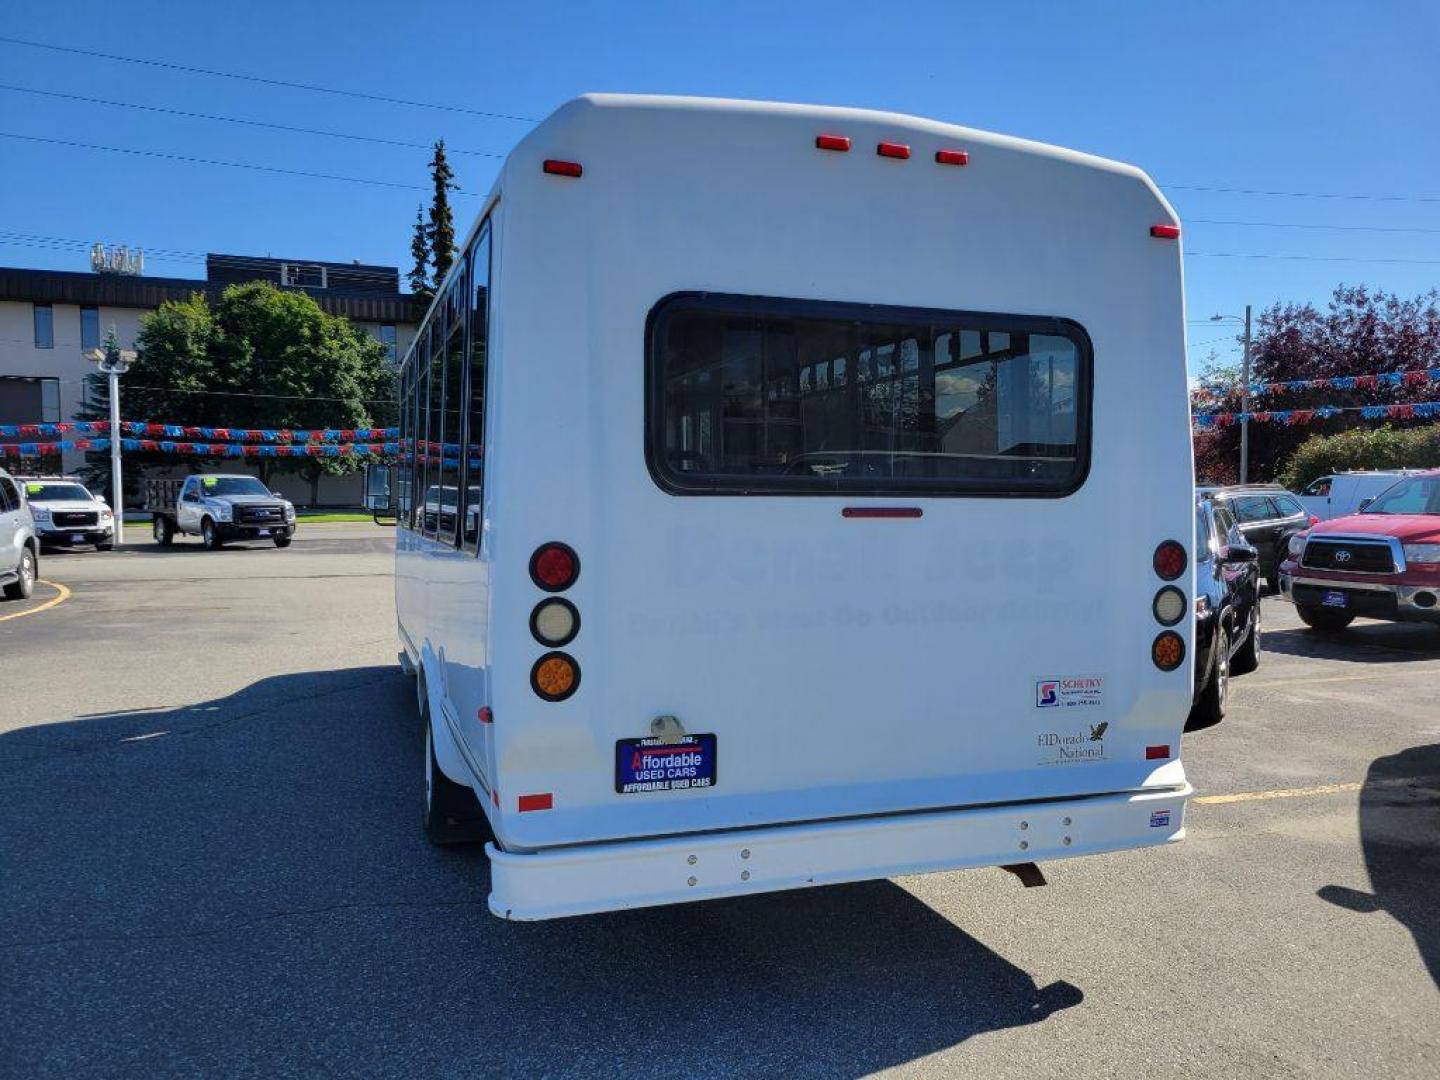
x=650, y=765
x=77, y=538
x=264, y=532
x=1333, y=598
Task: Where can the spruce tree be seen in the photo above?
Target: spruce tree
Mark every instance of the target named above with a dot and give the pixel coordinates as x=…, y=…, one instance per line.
x=419, y=276
x=442, y=218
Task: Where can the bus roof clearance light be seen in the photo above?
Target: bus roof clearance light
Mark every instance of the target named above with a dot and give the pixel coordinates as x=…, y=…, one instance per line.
x=951, y=157
x=1169, y=606
x=1165, y=232
x=1167, y=650
x=893, y=150
x=555, y=676
x=1170, y=560
x=563, y=168
x=554, y=566
x=833, y=142
x=554, y=622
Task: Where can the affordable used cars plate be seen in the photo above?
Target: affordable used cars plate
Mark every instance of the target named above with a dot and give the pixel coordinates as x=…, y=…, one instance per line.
x=1333, y=598
x=652, y=765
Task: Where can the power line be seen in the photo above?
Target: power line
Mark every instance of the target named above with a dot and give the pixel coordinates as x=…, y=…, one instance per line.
x=238, y=120
x=226, y=164
x=312, y=87
x=1295, y=194
x=1298, y=225
x=1307, y=258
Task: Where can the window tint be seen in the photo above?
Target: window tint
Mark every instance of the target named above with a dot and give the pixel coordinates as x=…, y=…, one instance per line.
x=1253, y=508
x=89, y=328
x=434, y=428
x=1287, y=506
x=1202, y=535
x=44, y=326
x=9, y=496
x=783, y=396
x=1225, y=527
x=472, y=518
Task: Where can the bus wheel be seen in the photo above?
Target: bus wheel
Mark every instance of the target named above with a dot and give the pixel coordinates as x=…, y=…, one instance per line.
x=452, y=813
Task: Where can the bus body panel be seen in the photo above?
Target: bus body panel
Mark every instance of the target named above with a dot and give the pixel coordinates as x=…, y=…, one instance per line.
x=846, y=667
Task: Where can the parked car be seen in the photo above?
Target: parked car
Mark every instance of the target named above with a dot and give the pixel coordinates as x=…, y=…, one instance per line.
x=1227, y=609
x=19, y=547
x=1268, y=516
x=1382, y=563
x=66, y=514
x=1339, y=494
x=218, y=507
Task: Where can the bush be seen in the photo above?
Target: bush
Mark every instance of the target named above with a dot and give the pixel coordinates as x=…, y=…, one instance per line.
x=1379, y=448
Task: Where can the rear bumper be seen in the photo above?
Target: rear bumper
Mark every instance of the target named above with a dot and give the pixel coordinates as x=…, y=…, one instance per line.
x=644, y=873
x=1368, y=599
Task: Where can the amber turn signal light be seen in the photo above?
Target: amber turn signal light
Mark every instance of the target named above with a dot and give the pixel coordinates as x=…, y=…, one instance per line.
x=555, y=676
x=1167, y=650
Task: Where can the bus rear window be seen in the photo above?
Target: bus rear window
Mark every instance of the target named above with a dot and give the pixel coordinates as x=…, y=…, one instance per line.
x=764, y=396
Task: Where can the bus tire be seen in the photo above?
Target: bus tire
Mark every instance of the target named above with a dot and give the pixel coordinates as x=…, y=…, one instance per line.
x=1325, y=621
x=210, y=535
x=1210, y=709
x=452, y=814
x=163, y=531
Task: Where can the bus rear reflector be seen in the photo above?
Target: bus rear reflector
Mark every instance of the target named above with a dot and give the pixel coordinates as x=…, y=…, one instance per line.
x=952, y=157
x=1156, y=753
x=485, y=716
x=543, y=801
x=881, y=512
x=832, y=142
x=563, y=168
x=893, y=149
x=1165, y=232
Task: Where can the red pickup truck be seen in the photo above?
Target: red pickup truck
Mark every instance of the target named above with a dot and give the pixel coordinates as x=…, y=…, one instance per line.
x=1382, y=563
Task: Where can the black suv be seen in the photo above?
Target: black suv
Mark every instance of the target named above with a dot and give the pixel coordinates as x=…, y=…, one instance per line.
x=1268, y=516
x=1227, y=609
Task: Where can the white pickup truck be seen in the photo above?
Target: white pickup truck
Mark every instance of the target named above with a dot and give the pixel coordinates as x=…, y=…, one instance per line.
x=218, y=507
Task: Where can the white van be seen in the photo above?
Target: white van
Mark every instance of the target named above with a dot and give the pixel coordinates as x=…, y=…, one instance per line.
x=1338, y=494
x=836, y=504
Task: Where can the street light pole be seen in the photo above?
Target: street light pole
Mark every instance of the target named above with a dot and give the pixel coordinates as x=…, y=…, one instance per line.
x=114, y=362
x=1245, y=404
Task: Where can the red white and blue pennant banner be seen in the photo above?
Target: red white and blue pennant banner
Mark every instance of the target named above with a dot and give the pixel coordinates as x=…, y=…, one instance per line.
x=1419, y=410
x=1378, y=380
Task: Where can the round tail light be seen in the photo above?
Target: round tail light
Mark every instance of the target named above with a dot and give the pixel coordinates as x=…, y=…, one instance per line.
x=1170, y=560
x=554, y=622
x=555, y=676
x=1168, y=650
x=1169, y=606
x=554, y=566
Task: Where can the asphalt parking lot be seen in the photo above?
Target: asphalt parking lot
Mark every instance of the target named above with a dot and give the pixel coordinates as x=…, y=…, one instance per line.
x=211, y=863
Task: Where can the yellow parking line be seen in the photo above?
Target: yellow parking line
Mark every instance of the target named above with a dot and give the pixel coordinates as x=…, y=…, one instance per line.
x=63, y=595
x=1281, y=793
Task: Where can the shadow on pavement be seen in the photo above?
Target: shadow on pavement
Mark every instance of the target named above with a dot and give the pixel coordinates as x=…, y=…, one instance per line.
x=1361, y=642
x=1400, y=836
x=242, y=886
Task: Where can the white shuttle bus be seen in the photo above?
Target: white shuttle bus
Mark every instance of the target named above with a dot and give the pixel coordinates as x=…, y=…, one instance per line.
x=797, y=495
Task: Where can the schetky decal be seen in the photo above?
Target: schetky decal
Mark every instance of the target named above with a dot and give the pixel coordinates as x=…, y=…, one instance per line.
x=1070, y=692
x=1159, y=819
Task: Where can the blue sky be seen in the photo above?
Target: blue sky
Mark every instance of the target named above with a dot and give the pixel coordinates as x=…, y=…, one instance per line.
x=1233, y=95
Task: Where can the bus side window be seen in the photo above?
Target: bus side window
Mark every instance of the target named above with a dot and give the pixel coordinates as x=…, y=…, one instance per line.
x=473, y=512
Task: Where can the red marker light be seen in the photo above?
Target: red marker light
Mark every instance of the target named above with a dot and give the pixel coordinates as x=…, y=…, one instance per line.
x=563, y=168
x=832, y=142
x=485, y=716
x=1165, y=232
x=1170, y=560
x=1157, y=753
x=951, y=157
x=543, y=801
x=554, y=566
x=893, y=150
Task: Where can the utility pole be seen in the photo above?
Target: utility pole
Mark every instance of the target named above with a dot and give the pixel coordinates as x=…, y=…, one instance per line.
x=1245, y=404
